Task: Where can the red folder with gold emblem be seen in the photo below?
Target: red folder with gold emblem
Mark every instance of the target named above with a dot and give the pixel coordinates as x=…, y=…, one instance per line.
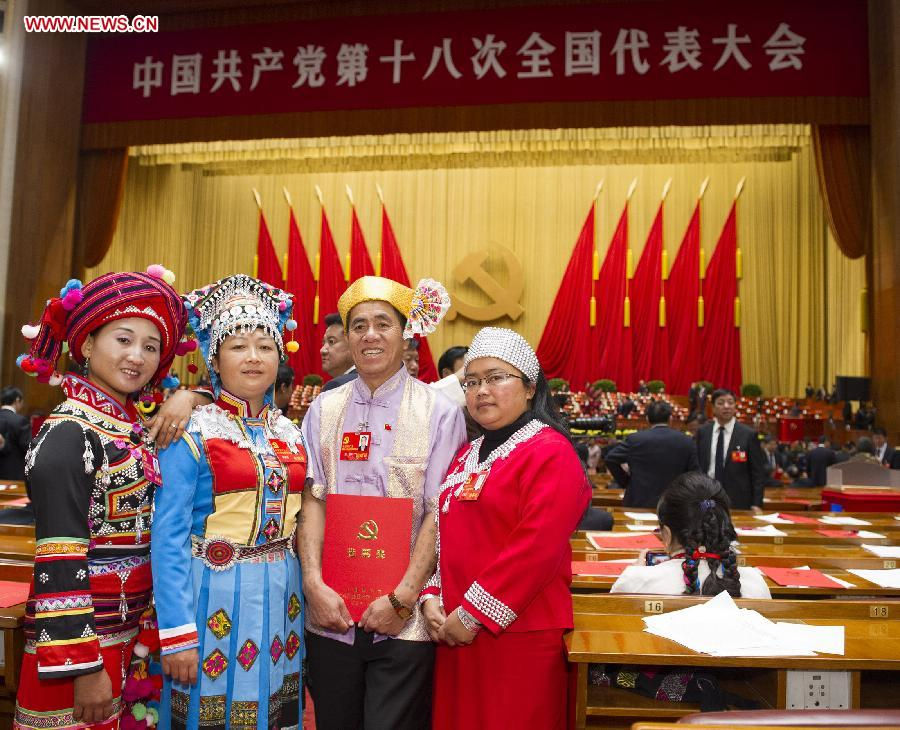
x=366, y=547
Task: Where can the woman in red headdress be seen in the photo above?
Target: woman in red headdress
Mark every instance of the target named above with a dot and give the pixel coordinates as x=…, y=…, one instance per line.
x=90, y=474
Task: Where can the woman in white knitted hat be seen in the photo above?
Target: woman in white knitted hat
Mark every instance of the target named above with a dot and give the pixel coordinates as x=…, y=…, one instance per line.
x=499, y=602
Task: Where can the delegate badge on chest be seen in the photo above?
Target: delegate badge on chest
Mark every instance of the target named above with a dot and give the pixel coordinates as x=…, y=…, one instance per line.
x=739, y=456
x=284, y=453
x=355, y=446
x=150, y=465
x=471, y=488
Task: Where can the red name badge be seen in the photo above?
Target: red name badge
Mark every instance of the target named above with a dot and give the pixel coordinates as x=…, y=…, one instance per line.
x=471, y=489
x=355, y=446
x=284, y=453
x=739, y=456
x=150, y=464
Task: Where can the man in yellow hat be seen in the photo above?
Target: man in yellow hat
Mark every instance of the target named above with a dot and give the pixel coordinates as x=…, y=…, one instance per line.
x=384, y=434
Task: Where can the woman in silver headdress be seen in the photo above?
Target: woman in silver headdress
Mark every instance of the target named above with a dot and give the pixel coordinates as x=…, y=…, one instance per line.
x=225, y=575
x=499, y=601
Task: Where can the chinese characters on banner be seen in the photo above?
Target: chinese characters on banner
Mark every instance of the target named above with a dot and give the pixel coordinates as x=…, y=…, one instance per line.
x=608, y=51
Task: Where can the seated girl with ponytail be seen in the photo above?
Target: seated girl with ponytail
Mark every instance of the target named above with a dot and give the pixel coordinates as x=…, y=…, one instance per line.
x=695, y=527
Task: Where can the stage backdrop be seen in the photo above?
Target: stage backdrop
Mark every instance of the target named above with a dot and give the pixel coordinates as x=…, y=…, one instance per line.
x=519, y=198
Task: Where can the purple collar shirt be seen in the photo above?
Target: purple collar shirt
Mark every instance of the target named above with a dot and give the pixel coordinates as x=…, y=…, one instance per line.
x=415, y=433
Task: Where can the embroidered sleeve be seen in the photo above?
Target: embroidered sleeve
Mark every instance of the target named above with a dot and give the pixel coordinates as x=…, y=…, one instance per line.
x=170, y=552
x=554, y=495
x=60, y=483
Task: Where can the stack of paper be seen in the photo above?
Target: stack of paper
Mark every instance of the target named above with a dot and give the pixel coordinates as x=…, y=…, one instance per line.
x=842, y=520
x=883, y=578
x=773, y=519
x=642, y=516
x=799, y=519
x=768, y=530
x=719, y=628
x=883, y=551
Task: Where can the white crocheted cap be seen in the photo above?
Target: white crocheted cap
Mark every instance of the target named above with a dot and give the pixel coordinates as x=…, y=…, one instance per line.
x=505, y=345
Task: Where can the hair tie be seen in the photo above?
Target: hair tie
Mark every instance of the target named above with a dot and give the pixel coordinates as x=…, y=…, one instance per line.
x=703, y=555
x=707, y=504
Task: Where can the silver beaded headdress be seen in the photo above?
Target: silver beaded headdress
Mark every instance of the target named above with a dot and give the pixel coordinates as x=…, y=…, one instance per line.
x=505, y=345
x=237, y=304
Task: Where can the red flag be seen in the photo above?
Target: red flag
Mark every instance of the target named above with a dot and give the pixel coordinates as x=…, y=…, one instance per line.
x=682, y=293
x=302, y=284
x=649, y=337
x=360, y=262
x=331, y=282
x=392, y=268
x=614, y=352
x=267, y=266
x=721, y=336
x=569, y=343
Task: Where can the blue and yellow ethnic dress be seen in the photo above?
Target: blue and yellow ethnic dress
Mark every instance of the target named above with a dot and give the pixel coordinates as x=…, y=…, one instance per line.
x=225, y=574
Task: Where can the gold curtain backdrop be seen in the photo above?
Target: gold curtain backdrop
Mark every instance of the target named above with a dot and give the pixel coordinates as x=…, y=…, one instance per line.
x=191, y=207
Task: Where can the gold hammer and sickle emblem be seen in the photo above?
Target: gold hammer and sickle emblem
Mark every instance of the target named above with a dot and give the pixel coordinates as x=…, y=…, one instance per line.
x=368, y=530
x=504, y=299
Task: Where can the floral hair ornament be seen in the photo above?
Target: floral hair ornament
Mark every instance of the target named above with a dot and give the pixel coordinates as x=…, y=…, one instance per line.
x=237, y=304
x=706, y=505
x=81, y=309
x=423, y=307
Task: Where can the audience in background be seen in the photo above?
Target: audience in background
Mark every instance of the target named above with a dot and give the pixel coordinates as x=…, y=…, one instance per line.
x=15, y=434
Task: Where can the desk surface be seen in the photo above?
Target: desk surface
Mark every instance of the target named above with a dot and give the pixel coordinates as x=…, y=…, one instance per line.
x=868, y=644
x=861, y=587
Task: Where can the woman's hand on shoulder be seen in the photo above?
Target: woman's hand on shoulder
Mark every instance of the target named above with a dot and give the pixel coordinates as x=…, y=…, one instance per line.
x=168, y=425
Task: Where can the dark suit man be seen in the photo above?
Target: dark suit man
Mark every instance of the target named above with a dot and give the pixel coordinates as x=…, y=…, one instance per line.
x=16, y=431
x=819, y=458
x=883, y=450
x=655, y=456
x=335, y=352
x=734, y=458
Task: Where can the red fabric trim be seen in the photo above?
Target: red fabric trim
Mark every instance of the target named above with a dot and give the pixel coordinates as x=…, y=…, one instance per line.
x=233, y=469
x=57, y=655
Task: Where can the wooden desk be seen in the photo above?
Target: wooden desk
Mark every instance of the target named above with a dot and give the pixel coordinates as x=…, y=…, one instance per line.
x=16, y=547
x=861, y=587
x=609, y=630
x=801, y=550
x=872, y=562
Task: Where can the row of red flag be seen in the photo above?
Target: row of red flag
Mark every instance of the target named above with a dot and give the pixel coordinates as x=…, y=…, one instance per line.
x=678, y=326
x=316, y=292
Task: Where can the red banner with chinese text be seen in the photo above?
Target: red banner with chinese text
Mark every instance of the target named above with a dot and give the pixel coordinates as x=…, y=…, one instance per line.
x=607, y=51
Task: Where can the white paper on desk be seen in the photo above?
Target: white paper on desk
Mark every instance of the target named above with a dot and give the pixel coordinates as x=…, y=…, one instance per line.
x=637, y=527
x=773, y=519
x=870, y=535
x=883, y=578
x=842, y=520
x=719, y=628
x=883, y=551
x=642, y=516
x=822, y=639
x=769, y=530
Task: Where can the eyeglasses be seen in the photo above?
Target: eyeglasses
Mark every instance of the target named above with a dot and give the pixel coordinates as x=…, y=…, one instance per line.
x=494, y=380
